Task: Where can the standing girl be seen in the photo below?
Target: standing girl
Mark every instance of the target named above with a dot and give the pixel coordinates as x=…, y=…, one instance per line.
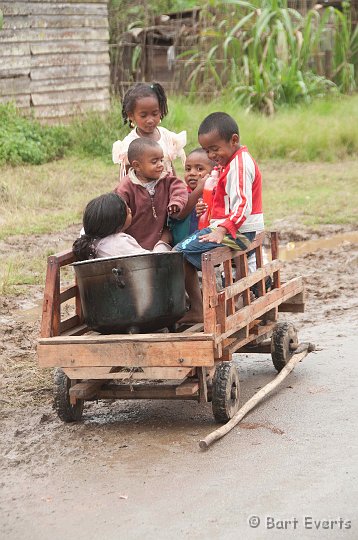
x=143, y=107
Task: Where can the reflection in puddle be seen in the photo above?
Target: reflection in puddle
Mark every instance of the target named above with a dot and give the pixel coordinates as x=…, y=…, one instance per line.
x=293, y=250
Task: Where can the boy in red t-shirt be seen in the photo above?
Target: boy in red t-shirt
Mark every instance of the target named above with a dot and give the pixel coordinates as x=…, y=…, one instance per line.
x=236, y=214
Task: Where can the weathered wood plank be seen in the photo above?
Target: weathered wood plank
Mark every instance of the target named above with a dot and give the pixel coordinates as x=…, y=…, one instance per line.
x=20, y=49
x=70, y=96
x=187, y=388
x=140, y=354
x=245, y=283
x=16, y=23
x=67, y=59
x=70, y=21
x=51, y=34
x=69, y=84
x=16, y=85
x=85, y=390
x=133, y=339
x=69, y=109
x=15, y=62
x=161, y=373
x=52, y=8
x=62, y=72
x=60, y=47
x=140, y=392
x=22, y=102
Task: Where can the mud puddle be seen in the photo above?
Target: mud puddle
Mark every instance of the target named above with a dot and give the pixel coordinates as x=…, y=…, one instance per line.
x=294, y=250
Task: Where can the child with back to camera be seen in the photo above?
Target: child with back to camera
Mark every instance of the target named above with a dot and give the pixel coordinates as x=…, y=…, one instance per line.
x=144, y=106
x=105, y=220
x=151, y=193
x=236, y=213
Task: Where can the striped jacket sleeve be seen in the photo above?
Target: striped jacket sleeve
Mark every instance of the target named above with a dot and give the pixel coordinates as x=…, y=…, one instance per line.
x=240, y=178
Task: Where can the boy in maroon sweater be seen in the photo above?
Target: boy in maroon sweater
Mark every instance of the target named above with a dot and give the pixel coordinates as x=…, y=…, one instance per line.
x=150, y=195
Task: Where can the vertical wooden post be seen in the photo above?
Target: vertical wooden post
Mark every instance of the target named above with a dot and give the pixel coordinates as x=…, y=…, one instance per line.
x=51, y=312
x=229, y=281
x=243, y=269
x=259, y=263
x=210, y=300
x=274, y=256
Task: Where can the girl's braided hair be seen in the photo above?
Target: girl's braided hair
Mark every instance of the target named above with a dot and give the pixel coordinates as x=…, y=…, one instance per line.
x=103, y=216
x=139, y=91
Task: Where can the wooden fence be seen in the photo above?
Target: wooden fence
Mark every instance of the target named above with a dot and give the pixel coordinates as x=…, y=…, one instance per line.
x=55, y=56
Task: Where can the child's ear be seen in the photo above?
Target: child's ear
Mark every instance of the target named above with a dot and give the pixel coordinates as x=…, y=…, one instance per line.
x=135, y=164
x=235, y=139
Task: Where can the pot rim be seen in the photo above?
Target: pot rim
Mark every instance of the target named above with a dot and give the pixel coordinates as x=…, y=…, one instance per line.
x=116, y=258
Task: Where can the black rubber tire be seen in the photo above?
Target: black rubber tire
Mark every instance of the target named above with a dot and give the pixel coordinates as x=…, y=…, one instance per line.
x=284, y=335
x=65, y=410
x=225, y=391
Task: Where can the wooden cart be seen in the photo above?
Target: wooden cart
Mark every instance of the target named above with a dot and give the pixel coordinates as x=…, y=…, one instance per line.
x=193, y=363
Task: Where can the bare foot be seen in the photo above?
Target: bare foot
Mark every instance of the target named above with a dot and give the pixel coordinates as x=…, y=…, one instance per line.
x=192, y=317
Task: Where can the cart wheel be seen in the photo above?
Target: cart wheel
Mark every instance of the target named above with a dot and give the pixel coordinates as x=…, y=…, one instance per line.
x=65, y=410
x=225, y=391
x=283, y=338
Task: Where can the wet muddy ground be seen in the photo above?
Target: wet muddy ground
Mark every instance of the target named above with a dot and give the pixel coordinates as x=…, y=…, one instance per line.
x=134, y=469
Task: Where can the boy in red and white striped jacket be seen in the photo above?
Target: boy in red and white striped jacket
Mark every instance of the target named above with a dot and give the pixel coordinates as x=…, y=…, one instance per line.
x=236, y=214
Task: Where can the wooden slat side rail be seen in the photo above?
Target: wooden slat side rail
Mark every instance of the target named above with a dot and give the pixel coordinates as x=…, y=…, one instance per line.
x=141, y=354
x=68, y=293
x=68, y=324
x=272, y=299
x=53, y=298
x=245, y=283
x=219, y=255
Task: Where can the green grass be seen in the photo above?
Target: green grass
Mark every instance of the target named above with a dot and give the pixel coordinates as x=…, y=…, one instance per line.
x=312, y=193
x=321, y=131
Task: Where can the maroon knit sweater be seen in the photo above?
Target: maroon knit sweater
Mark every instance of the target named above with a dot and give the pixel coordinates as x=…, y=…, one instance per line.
x=146, y=228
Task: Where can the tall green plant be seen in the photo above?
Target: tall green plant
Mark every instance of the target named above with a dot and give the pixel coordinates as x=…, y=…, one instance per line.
x=266, y=58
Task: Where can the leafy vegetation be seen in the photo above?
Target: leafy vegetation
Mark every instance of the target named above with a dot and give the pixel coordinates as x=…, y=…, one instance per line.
x=265, y=54
x=322, y=130
x=23, y=140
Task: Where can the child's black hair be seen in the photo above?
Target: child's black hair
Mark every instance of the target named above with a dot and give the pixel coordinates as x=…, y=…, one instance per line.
x=200, y=150
x=139, y=91
x=138, y=146
x=103, y=216
x=221, y=122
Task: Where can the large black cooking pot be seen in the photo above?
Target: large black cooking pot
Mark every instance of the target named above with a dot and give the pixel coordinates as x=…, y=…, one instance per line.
x=141, y=293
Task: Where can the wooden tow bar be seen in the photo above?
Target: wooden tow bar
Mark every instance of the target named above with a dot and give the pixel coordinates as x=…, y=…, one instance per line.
x=300, y=353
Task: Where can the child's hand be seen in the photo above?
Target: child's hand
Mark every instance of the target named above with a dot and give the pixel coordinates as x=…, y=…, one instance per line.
x=173, y=209
x=217, y=236
x=200, y=207
x=201, y=182
x=166, y=236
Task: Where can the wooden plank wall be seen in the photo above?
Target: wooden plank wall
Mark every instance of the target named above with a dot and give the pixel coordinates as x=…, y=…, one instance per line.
x=55, y=56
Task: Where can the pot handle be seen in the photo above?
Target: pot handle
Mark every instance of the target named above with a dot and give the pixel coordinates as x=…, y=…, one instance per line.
x=117, y=272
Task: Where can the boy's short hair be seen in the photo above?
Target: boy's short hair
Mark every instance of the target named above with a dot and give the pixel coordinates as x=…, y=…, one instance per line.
x=138, y=146
x=200, y=150
x=221, y=122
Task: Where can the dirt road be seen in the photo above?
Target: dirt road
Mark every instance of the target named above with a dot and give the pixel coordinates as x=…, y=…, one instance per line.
x=134, y=470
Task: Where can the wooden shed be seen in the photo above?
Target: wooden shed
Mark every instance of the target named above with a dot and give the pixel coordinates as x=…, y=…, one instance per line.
x=55, y=56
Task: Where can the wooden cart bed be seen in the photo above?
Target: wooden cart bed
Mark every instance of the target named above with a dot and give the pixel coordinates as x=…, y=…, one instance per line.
x=187, y=356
